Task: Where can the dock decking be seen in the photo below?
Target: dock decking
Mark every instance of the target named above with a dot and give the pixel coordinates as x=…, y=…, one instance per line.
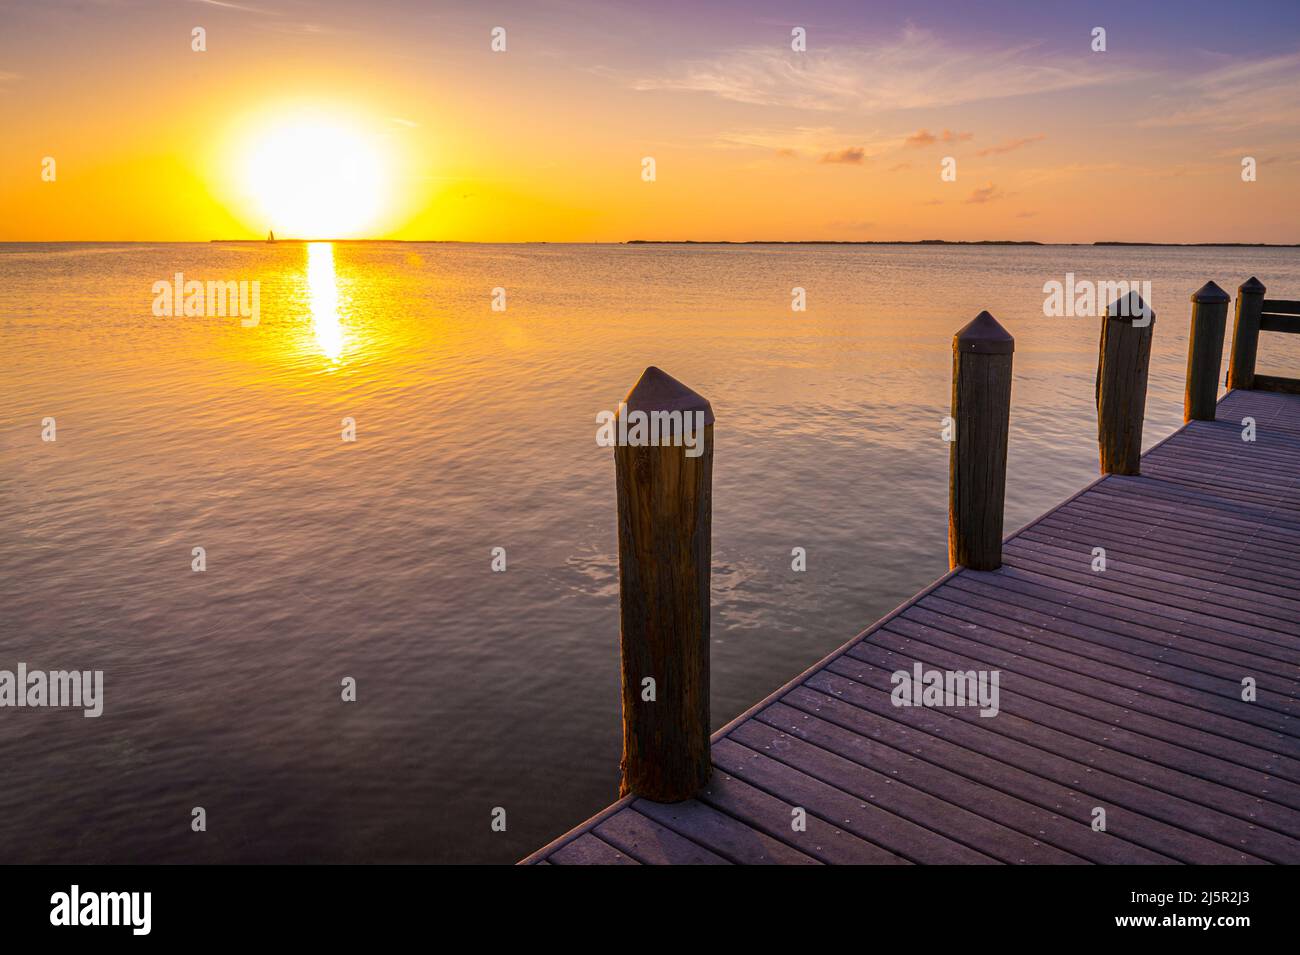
x=1120, y=690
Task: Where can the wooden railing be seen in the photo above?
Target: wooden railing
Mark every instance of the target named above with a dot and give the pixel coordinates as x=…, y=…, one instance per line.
x=1257, y=314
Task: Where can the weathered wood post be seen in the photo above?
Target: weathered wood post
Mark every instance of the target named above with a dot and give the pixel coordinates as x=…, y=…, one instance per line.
x=665, y=518
x=1204, y=352
x=1122, y=362
x=977, y=458
x=1245, y=334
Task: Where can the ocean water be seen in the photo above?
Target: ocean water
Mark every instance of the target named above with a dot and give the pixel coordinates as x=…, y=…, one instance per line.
x=475, y=429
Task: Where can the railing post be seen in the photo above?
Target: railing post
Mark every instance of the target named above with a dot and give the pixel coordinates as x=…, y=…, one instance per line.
x=665, y=517
x=1204, y=352
x=977, y=458
x=1122, y=362
x=1245, y=334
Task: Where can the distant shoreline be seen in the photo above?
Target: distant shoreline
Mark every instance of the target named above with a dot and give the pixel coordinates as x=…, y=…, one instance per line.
x=1243, y=245
x=1188, y=245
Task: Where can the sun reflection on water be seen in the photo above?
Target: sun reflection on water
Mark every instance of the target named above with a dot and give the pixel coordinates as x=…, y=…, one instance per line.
x=323, y=299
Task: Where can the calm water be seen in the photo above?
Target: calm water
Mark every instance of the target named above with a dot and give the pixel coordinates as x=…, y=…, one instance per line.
x=475, y=430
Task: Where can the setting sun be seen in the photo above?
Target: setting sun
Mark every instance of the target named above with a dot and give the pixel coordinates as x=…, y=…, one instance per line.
x=315, y=177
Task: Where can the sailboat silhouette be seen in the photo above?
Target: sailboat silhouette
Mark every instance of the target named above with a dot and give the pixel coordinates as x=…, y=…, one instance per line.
x=270, y=236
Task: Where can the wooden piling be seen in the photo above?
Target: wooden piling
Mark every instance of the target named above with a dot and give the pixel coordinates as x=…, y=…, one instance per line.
x=665, y=516
x=1204, y=352
x=977, y=457
x=1123, y=359
x=1245, y=334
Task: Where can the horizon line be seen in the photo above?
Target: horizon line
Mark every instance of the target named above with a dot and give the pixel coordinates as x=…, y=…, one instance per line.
x=997, y=242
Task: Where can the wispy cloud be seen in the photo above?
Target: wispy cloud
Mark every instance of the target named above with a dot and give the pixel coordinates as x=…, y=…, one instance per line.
x=1011, y=145
x=1238, y=96
x=915, y=70
x=851, y=155
x=823, y=143
x=923, y=137
x=235, y=6
x=985, y=193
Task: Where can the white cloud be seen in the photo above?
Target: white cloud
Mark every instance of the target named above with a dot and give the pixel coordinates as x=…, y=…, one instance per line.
x=915, y=70
x=1238, y=96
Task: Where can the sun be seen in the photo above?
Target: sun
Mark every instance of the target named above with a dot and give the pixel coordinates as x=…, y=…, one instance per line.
x=315, y=177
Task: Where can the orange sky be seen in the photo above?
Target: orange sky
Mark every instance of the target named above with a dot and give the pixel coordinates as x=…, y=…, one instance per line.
x=751, y=140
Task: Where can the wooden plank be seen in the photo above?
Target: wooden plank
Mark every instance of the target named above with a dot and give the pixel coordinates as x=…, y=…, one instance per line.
x=1116, y=665
x=1204, y=597
x=1171, y=660
x=1142, y=551
x=843, y=810
x=1178, y=517
x=1216, y=712
x=1280, y=306
x=1060, y=809
x=1133, y=563
x=1271, y=486
x=1272, y=448
x=730, y=838
x=1161, y=741
x=1260, y=561
x=945, y=785
x=1276, y=440
x=1284, y=324
x=587, y=849
x=950, y=819
x=650, y=843
x=1289, y=386
x=1011, y=600
x=1203, y=481
x=1129, y=806
x=1199, y=478
x=1178, y=619
x=1262, y=401
x=1081, y=605
x=1036, y=746
x=1099, y=734
x=766, y=814
x=1201, y=500
x=1084, y=697
x=1223, y=444
x=1124, y=529
x=1227, y=498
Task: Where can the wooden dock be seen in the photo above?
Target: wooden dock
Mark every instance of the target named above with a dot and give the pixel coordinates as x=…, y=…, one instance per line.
x=1124, y=697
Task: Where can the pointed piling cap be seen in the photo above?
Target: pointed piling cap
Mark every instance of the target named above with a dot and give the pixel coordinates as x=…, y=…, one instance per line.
x=657, y=390
x=1129, y=307
x=1210, y=294
x=982, y=335
x=1252, y=286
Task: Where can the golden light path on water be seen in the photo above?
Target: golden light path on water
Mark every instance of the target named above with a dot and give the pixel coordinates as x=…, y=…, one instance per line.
x=323, y=299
